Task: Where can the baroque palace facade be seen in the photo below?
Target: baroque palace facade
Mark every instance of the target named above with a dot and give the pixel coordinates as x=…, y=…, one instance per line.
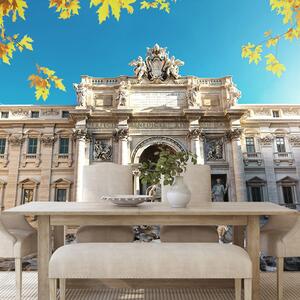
x=254, y=149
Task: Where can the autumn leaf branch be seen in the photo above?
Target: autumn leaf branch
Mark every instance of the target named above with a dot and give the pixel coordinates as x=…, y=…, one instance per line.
x=290, y=11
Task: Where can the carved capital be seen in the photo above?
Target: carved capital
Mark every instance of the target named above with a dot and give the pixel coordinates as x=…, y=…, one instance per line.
x=16, y=140
x=294, y=140
x=195, y=133
x=120, y=134
x=233, y=134
x=81, y=134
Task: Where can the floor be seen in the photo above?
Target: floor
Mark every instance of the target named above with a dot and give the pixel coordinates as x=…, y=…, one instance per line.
x=291, y=292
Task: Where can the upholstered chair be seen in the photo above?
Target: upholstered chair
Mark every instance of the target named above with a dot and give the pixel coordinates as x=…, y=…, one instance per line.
x=280, y=237
x=17, y=239
x=198, y=180
x=105, y=179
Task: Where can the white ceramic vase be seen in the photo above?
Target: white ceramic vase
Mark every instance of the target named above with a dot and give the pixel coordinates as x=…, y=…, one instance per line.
x=179, y=194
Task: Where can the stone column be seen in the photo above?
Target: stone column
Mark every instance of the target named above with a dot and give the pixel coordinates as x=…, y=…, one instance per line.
x=82, y=154
x=238, y=164
x=136, y=180
x=15, y=144
x=266, y=144
x=294, y=141
x=46, y=143
x=197, y=144
x=2, y=194
x=121, y=135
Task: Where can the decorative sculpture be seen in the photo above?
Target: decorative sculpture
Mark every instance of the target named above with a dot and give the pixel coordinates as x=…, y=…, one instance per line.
x=80, y=93
x=192, y=96
x=157, y=65
x=214, y=149
x=122, y=94
x=102, y=150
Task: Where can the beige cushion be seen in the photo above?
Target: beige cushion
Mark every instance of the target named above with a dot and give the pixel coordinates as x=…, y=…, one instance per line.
x=281, y=237
x=98, y=234
x=105, y=179
x=189, y=234
x=198, y=180
x=150, y=260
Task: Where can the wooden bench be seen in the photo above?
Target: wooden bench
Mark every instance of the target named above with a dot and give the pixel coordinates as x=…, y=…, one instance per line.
x=151, y=261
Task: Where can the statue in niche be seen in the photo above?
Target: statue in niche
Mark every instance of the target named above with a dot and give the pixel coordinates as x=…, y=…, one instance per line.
x=219, y=191
x=102, y=150
x=140, y=68
x=215, y=149
x=81, y=93
x=122, y=94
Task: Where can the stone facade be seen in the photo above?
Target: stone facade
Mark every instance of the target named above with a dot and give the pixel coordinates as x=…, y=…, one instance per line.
x=254, y=149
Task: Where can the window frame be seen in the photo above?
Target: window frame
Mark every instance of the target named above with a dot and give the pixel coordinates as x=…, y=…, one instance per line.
x=4, y=114
x=275, y=113
x=249, y=145
x=67, y=145
x=280, y=144
x=65, y=114
x=33, y=116
x=30, y=146
x=1, y=145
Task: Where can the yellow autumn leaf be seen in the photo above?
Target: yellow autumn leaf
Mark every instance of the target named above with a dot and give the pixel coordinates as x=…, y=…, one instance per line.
x=247, y=50
x=43, y=82
x=273, y=65
x=268, y=33
x=25, y=43
x=272, y=42
x=255, y=55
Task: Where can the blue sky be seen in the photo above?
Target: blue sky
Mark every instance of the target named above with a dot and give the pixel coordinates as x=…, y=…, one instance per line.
x=207, y=35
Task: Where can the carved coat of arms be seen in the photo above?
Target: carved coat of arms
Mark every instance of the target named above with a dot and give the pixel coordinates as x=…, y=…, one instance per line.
x=157, y=66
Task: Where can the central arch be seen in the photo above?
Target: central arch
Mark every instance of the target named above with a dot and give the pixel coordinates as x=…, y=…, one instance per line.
x=155, y=141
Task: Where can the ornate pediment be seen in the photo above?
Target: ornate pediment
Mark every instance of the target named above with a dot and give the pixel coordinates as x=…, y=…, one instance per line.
x=157, y=66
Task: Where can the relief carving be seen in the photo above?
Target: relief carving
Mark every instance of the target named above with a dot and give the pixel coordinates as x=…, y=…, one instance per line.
x=295, y=140
x=266, y=140
x=16, y=140
x=48, y=140
x=20, y=113
x=214, y=149
x=193, y=96
x=102, y=150
x=50, y=112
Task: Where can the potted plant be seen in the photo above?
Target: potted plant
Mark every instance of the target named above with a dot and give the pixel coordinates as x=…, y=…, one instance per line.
x=169, y=169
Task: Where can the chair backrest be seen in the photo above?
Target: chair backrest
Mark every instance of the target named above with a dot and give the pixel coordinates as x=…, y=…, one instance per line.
x=105, y=179
x=198, y=180
x=15, y=222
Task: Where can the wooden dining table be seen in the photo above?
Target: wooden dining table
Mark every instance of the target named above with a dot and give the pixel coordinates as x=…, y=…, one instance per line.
x=238, y=214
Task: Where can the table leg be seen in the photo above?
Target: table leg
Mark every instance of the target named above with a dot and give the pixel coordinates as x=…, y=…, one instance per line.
x=238, y=236
x=253, y=248
x=43, y=256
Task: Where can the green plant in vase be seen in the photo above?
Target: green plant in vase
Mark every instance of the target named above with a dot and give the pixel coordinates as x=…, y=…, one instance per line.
x=170, y=167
